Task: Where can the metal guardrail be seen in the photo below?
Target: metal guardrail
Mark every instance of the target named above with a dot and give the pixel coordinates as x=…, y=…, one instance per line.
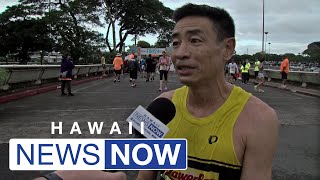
x=13, y=74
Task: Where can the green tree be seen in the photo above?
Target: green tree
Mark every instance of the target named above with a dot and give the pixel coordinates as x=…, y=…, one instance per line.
x=312, y=53
x=143, y=44
x=68, y=23
x=21, y=35
x=164, y=38
x=134, y=17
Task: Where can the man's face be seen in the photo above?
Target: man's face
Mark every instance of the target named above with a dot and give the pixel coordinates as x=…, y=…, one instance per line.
x=197, y=54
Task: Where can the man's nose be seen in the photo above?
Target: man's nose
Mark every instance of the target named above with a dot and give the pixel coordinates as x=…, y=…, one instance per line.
x=182, y=51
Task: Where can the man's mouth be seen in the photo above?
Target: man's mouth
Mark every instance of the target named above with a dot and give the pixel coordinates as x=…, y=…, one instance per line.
x=184, y=67
x=185, y=70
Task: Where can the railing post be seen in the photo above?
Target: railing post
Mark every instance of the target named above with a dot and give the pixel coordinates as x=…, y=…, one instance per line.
x=303, y=79
x=6, y=85
x=38, y=81
x=76, y=74
x=88, y=72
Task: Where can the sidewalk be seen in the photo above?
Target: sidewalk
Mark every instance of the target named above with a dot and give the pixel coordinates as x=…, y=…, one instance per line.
x=296, y=89
x=43, y=89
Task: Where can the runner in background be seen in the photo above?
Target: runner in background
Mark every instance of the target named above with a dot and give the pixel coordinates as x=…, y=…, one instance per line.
x=117, y=65
x=164, y=66
x=256, y=70
x=233, y=68
x=284, y=70
x=260, y=77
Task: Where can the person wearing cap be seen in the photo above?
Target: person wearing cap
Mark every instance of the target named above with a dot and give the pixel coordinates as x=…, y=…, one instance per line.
x=133, y=66
x=117, y=66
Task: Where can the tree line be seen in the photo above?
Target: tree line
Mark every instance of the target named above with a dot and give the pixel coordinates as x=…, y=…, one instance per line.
x=313, y=57
x=69, y=26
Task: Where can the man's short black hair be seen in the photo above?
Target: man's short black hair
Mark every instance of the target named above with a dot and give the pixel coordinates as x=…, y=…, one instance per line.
x=219, y=17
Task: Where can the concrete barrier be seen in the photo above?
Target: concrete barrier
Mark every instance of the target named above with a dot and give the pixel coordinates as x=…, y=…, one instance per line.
x=14, y=74
x=303, y=77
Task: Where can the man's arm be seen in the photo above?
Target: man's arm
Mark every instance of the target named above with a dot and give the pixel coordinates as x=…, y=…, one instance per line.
x=261, y=142
x=147, y=175
x=85, y=175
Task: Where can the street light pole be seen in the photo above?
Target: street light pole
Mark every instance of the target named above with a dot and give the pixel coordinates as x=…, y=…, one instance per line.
x=269, y=47
x=269, y=51
x=262, y=26
x=265, y=48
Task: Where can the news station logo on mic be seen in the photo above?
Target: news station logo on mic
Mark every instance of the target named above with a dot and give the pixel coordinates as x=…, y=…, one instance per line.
x=149, y=153
x=151, y=122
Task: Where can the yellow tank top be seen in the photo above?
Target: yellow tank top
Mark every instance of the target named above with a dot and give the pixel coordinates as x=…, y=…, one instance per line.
x=211, y=154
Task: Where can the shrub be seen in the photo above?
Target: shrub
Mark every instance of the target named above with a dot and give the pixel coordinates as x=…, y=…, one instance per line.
x=3, y=76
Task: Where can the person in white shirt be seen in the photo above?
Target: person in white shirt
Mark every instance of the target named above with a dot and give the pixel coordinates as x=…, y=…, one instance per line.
x=233, y=69
x=260, y=77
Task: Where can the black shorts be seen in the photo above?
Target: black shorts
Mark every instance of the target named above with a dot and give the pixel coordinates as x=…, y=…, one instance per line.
x=117, y=71
x=234, y=76
x=133, y=74
x=256, y=73
x=151, y=69
x=163, y=73
x=284, y=75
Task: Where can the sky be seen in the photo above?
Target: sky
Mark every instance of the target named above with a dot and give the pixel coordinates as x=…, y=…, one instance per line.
x=291, y=24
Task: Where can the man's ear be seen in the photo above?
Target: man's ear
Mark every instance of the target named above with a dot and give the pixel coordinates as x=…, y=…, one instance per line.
x=229, y=46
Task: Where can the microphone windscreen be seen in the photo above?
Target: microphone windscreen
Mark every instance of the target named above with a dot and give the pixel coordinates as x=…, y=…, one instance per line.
x=163, y=109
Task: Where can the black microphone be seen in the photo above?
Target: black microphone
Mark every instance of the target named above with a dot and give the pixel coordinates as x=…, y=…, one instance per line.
x=161, y=108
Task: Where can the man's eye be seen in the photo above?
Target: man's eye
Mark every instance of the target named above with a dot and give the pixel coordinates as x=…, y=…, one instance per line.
x=175, y=43
x=193, y=40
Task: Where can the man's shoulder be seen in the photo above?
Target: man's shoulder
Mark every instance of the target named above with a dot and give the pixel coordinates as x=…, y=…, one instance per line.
x=259, y=113
x=168, y=94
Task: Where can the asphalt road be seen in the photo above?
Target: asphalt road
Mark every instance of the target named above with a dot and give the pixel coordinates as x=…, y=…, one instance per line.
x=298, y=153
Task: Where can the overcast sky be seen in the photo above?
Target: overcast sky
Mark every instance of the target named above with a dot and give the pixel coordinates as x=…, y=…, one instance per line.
x=292, y=24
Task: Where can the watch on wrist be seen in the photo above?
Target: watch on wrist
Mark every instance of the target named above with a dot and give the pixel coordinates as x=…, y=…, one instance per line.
x=52, y=176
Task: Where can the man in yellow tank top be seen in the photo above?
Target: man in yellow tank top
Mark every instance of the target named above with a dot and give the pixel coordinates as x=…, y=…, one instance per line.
x=227, y=140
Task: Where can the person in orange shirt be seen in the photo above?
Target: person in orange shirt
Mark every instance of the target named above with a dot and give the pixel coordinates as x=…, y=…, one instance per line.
x=117, y=65
x=284, y=70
